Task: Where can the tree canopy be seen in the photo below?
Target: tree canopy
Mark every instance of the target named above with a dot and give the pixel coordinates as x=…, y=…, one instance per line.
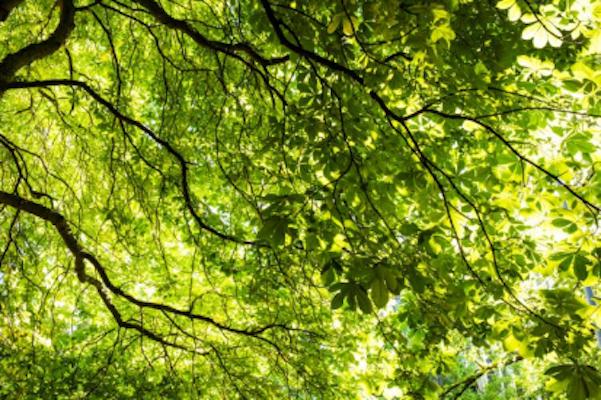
x=300, y=199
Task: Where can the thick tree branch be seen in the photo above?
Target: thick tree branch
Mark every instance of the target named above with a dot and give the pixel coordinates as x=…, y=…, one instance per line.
x=164, y=18
x=62, y=227
x=105, y=285
x=277, y=27
x=157, y=139
x=36, y=51
x=6, y=7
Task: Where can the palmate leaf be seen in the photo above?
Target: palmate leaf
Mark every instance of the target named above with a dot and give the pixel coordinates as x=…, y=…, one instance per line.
x=580, y=382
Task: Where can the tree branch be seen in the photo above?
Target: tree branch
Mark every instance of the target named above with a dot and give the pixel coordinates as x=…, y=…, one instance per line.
x=105, y=285
x=164, y=18
x=276, y=24
x=6, y=7
x=36, y=51
x=592, y=207
x=470, y=380
x=157, y=139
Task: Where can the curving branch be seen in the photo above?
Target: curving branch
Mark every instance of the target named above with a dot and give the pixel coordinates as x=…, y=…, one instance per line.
x=164, y=18
x=6, y=8
x=62, y=227
x=157, y=139
x=105, y=286
x=592, y=207
x=431, y=166
x=36, y=51
x=277, y=27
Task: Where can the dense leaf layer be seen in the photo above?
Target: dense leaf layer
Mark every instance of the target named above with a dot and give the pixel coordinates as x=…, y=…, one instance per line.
x=299, y=199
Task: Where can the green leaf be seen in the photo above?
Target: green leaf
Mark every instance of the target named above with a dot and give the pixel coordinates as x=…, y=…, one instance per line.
x=327, y=276
x=334, y=23
x=566, y=262
x=442, y=32
x=363, y=301
x=580, y=267
x=337, y=300
x=565, y=224
x=561, y=222
x=515, y=12
x=255, y=165
x=579, y=382
x=274, y=230
x=347, y=27
x=379, y=293
x=505, y=4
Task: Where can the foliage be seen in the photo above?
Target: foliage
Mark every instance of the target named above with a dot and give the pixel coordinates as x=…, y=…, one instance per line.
x=274, y=199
